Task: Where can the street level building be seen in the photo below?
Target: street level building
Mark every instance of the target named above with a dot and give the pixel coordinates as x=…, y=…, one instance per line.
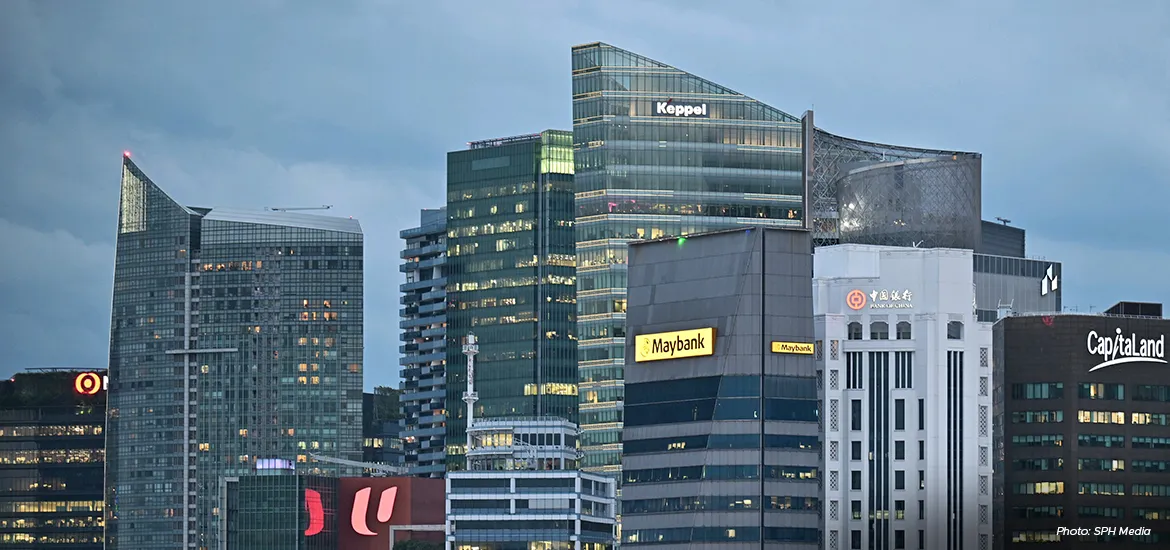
x=511, y=278
x=722, y=431
x=424, y=342
x=908, y=394
x=235, y=336
x=52, y=454
x=1082, y=421
x=522, y=490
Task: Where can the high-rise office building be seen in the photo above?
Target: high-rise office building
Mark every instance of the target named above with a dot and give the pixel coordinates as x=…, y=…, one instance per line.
x=235, y=336
x=1082, y=429
x=659, y=153
x=52, y=454
x=907, y=394
x=511, y=279
x=722, y=433
x=424, y=340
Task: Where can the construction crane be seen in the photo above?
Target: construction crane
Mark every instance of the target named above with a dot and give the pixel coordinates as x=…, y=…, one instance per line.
x=383, y=468
x=322, y=207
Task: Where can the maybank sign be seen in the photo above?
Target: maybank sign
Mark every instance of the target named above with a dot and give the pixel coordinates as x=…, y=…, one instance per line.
x=798, y=348
x=685, y=110
x=1118, y=348
x=674, y=345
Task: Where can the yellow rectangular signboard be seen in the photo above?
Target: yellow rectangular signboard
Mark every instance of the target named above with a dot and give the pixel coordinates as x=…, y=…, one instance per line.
x=674, y=345
x=799, y=348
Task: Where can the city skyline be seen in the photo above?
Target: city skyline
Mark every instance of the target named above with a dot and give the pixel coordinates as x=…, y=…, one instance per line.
x=342, y=131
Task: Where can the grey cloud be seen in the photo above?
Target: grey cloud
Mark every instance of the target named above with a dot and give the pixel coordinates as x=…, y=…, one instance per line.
x=355, y=103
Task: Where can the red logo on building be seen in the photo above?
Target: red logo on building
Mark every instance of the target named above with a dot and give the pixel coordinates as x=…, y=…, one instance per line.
x=316, y=513
x=361, y=506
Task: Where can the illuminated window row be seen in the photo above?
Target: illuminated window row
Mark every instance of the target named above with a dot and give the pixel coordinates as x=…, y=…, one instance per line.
x=50, y=431
x=50, y=456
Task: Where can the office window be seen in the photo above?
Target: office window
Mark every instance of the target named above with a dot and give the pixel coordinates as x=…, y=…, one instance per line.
x=1093, y=440
x=899, y=509
x=853, y=371
x=899, y=450
x=921, y=414
x=854, y=330
x=879, y=330
x=855, y=415
x=955, y=330
x=903, y=328
x=921, y=539
x=855, y=480
x=1146, y=392
x=1101, y=417
x=900, y=480
x=1110, y=392
x=1042, y=390
x=899, y=414
x=855, y=539
x=899, y=539
x=1037, y=417
x=921, y=450
x=855, y=508
x=903, y=370
x=855, y=450
x=922, y=509
x=1150, y=419
x=921, y=479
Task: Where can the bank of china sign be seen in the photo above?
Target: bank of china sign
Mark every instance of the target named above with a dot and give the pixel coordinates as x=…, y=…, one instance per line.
x=684, y=110
x=1119, y=348
x=674, y=345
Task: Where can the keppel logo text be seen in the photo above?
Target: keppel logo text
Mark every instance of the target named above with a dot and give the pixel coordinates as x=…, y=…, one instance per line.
x=1119, y=348
x=674, y=345
x=667, y=108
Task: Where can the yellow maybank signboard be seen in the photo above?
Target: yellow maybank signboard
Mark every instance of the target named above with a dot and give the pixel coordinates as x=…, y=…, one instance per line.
x=674, y=345
x=798, y=348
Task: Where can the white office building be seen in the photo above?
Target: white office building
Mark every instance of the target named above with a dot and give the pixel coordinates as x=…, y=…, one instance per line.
x=907, y=393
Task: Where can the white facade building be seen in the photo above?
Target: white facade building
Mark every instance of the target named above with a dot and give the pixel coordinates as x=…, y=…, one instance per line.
x=907, y=396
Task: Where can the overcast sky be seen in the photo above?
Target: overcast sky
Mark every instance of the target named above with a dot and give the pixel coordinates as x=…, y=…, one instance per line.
x=355, y=103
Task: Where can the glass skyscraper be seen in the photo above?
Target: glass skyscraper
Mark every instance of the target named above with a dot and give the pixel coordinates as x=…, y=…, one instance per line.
x=235, y=336
x=510, y=280
x=658, y=153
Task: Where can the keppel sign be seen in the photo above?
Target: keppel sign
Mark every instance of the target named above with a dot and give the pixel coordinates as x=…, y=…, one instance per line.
x=674, y=345
x=685, y=110
x=798, y=348
x=1119, y=348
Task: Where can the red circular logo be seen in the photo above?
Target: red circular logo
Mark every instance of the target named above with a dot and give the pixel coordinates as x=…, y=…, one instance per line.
x=88, y=383
x=855, y=299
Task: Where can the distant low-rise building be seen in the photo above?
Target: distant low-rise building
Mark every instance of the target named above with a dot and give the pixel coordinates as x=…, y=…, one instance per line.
x=52, y=455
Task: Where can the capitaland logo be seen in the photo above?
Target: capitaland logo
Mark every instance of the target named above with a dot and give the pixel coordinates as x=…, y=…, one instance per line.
x=361, y=508
x=1119, y=348
x=674, y=345
x=685, y=110
x=1051, y=282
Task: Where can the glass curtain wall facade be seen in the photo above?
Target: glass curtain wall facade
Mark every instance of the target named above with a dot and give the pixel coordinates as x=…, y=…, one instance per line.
x=659, y=153
x=511, y=280
x=235, y=336
x=872, y=193
x=52, y=453
x=424, y=344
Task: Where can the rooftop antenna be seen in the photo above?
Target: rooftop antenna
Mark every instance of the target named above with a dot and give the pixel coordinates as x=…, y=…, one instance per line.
x=294, y=208
x=470, y=349
x=1004, y=221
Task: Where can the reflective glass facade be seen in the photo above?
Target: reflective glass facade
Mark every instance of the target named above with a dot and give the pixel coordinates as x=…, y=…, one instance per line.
x=269, y=512
x=52, y=453
x=424, y=344
x=235, y=336
x=511, y=280
x=659, y=152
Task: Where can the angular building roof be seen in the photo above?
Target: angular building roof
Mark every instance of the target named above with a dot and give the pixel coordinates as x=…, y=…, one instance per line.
x=286, y=219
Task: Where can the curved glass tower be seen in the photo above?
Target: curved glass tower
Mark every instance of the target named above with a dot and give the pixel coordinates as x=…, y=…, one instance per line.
x=234, y=337
x=659, y=153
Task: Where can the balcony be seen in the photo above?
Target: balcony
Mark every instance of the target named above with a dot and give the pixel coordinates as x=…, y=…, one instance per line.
x=423, y=251
x=423, y=395
x=441, y=282
x=423, y=321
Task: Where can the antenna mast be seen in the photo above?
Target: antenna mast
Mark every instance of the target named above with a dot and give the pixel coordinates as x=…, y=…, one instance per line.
x=470, y=349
